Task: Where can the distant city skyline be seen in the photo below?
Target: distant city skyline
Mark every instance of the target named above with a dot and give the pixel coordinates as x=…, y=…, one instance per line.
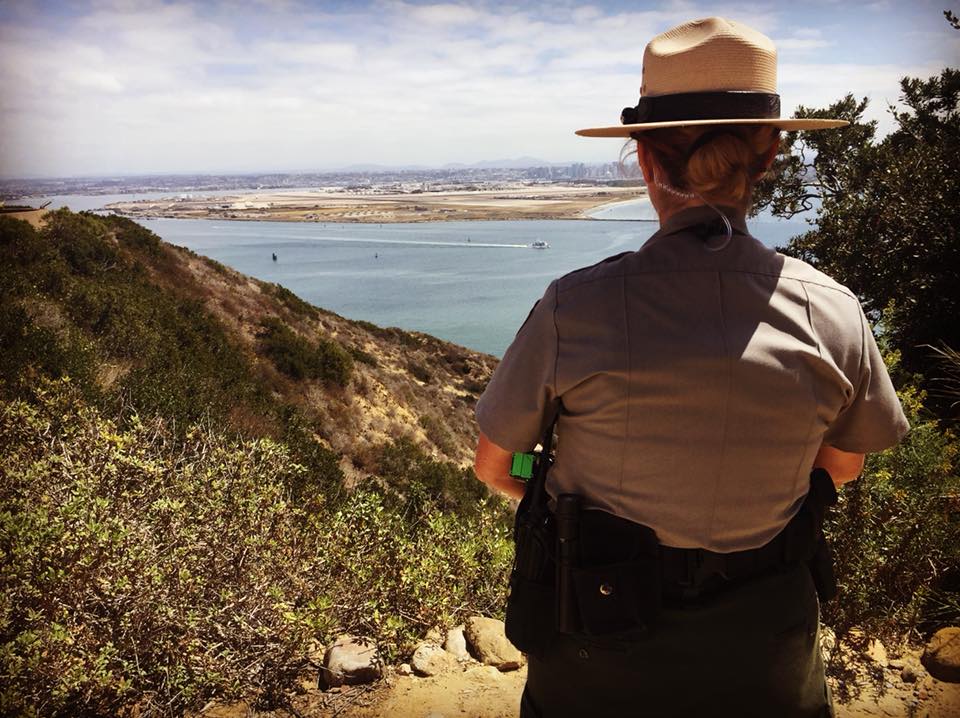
x=127, y=87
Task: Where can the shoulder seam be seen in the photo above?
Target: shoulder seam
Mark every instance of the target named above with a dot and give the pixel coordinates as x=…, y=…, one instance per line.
x=839, y=288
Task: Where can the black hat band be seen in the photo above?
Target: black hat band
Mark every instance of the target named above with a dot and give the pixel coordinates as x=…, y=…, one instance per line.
x=703, y=106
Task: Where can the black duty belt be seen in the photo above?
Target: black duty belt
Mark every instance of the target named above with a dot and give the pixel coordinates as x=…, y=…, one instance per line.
x=692, y=573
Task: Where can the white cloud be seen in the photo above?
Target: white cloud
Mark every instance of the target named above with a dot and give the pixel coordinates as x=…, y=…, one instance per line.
x=143, y=85
x=443, y=14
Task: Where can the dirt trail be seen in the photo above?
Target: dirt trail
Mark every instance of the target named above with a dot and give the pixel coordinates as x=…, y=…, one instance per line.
x=484, y=692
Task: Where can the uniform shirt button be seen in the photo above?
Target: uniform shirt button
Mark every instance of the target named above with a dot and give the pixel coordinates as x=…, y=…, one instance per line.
x=606, y=589
x=583, y=653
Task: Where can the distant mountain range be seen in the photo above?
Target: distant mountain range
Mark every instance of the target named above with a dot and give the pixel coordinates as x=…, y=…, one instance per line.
x=515, y=163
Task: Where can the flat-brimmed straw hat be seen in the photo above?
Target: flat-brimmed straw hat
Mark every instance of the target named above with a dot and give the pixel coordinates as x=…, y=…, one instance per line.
x=708, y=72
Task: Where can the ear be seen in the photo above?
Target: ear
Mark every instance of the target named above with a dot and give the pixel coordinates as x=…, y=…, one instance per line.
x=771, y=153
x=644, y=160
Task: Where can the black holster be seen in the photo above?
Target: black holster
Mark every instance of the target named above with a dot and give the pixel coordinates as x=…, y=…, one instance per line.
x=822, y=495
x=590, y=572
x=531, y=609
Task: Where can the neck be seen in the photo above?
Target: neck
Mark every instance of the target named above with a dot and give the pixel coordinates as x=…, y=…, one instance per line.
x=667, y=205
x=665, y=212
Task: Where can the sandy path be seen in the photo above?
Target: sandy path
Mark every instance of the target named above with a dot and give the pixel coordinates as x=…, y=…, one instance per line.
x=484, y=692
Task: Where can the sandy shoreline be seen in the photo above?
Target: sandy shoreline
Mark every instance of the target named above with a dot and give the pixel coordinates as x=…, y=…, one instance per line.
x=373, y=207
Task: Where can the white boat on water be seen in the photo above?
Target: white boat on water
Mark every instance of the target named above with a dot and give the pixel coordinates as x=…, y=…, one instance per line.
x=540, y=244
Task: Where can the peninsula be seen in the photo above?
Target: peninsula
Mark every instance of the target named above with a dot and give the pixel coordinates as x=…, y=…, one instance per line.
x=385, y=204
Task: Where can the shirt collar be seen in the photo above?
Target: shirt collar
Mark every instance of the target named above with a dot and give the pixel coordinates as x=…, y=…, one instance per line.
x=701, y=214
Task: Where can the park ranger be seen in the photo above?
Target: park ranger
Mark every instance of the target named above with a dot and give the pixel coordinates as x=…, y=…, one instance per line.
x=700, y=386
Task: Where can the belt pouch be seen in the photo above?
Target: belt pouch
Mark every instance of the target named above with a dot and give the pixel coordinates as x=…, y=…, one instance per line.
x=618, y=584
x=618, y=598
x=529, y=618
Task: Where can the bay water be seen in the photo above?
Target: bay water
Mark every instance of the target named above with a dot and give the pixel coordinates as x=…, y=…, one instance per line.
x=471, y=283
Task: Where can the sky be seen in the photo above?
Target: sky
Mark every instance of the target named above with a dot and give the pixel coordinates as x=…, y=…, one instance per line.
x=114, y=87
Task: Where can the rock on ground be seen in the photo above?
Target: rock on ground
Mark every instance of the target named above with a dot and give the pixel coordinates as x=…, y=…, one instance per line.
x=350, y=661
x=456, y=643
x=877, y=653
x=431, y=660
x=942, y=655
x=490, y=644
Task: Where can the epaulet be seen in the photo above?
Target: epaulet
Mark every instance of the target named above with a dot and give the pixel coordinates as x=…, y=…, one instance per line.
x=578, y=273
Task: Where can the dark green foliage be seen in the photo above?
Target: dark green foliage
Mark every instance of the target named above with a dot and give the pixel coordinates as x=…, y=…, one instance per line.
x=31, y=350
x=159, y=571
x=889, y=218
x=81, y=240
x=887, y=227
x=322, y=478
x=292, y=302
x=77, y=301
x=423, y=483
x=300, y=359
x=895, y=531
x=135, y=236
x=362, y=356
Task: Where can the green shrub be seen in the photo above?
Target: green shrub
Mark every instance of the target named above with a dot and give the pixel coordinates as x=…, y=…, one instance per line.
x=292, y=302
x=299, y=359
x=135, y=236
x=322, y=478
x=178, y=361
x=363, y=357
x=893, y=530
x=80, y=240
x=144, y=569
x=421, y=483
x=31, y=351
x=402, y=572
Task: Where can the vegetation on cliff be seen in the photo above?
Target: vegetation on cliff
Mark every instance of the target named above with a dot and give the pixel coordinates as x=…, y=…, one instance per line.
x=177, y=443
x=142, y=567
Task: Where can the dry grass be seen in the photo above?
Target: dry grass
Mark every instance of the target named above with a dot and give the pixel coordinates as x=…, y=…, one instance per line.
x=402, y=383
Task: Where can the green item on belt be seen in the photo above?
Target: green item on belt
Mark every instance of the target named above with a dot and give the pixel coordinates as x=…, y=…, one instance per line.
x=521, y=467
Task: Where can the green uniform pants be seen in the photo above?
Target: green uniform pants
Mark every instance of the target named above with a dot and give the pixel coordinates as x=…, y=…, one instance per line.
x=752, y=650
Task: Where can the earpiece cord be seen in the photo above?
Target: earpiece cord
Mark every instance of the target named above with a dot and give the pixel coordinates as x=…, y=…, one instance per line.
x=726, y=223
x=689, y=195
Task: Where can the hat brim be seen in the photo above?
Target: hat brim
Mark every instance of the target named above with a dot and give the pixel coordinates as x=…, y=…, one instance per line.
x=787, y=124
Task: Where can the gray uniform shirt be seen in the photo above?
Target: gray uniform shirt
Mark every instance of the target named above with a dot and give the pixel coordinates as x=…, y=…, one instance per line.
x=693, y=388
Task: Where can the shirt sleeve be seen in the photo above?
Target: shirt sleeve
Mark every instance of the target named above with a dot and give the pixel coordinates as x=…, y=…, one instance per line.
x=872, y=419
x=521, y=399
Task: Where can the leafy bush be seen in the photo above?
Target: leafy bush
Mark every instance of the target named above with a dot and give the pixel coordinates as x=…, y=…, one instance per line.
x=178, y=361
x=886, y=224
x=421, y=483
x=294, y=303
x=362, y=356
x=299, y=359
x=144, y=569
x=401, y=571
x=893, y=530
x=322, y=478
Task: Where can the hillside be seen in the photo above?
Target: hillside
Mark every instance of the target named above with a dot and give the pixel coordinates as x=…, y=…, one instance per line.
x=181, y=335
x=203, y=478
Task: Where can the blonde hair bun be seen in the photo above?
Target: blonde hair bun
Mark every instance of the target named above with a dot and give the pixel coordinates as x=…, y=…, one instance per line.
x=720, y=165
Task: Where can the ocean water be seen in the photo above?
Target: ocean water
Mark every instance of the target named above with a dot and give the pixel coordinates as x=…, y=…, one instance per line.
x=472, y=283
